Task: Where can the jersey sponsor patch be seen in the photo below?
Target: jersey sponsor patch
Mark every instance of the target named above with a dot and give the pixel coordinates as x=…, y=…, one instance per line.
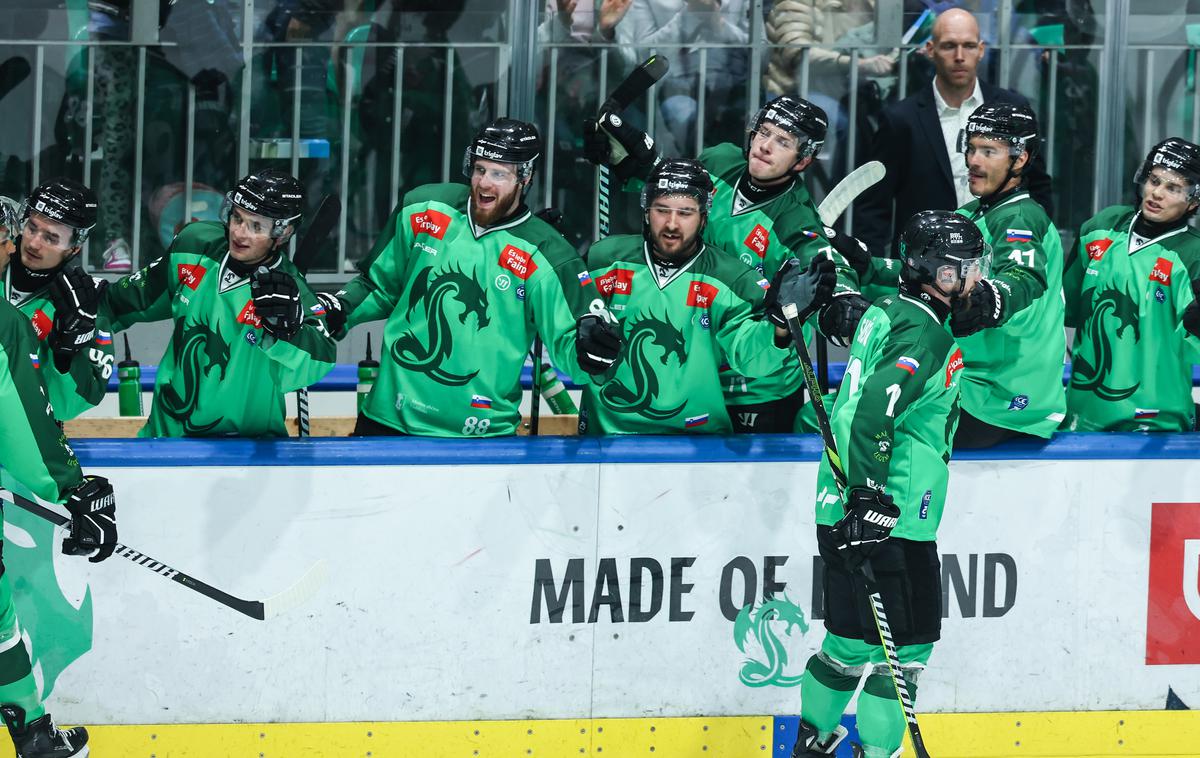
x=190, y=274
x=517, y=261
x=908, y=364
x=1018, y=235
x=618, y=281
x=41, y=324
x=1097, y=248
x=1018, y=403
x=1159, y=295
x=431, y=222
x=925, y=501
x=701, y=294
x=480, y=401
x=1161, y=272
x=249, y=316
x=585, y=278
x=691, y=422
x=955, y=365
x=758, y=240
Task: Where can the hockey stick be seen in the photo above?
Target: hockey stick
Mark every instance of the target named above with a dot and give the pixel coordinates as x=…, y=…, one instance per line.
x=271, y=607
x=306, y=254
x=791, y=313
x=848, y=189
x=631, y=88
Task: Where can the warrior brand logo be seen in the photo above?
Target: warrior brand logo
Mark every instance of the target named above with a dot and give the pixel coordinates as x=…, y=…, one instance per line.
x=249, y=316
x=41, y=324
x=758, y=240
x=882, y=519
x=1173, y=610
x=517, y=261
x=190, y=274
x=1097, y=248
x=701, y=295
x=619, y=281
x=1161, y=272
x=956, y=364
x=429, y=222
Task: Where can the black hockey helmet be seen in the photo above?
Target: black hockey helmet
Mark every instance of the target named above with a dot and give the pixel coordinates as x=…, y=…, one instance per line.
x=505, y=140
x=795, y=116
x=944, y=250
x=1175, y=154
x=269, y=193
x=65, y=201
x=1008, y=122
x=679, y=176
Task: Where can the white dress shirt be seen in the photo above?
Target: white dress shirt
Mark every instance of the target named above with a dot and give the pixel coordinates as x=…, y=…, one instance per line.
x=953, y=121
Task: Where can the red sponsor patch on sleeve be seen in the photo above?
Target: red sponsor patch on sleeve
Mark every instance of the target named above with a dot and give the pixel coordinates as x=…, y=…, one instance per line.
x=517, y=261
x=1097, y=248
x=249, y=316
x=431, y=222
x=190, y=274
x=1161, y=272
x=955, y=365
x=758, y=240
x=618, y=281
x=701, y=294
x=41, y=324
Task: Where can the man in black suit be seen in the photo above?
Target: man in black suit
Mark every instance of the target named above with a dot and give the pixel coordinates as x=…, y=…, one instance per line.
x=917, y=139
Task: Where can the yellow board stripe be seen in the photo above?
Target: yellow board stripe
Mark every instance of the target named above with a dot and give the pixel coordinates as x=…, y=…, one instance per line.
x=1145, y=734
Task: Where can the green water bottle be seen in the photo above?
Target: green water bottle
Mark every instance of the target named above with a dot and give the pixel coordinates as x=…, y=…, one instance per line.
x=129, y=384
x=555, y=392
x=368, y=372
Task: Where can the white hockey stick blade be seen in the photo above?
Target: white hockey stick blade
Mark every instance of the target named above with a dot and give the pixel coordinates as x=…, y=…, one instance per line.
x=299, y=593
x=848, y=189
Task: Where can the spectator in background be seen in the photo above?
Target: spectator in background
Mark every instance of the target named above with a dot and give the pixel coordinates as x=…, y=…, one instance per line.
x=918, y=136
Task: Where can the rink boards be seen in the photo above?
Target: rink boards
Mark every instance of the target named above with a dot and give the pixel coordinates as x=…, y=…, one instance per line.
x=558, y=585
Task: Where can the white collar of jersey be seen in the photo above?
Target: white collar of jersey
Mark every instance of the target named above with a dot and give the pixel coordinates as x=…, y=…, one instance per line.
x=1132, y=234
x=478, y=232
x=737, y=195
x=664, y=279
x=922, y=306
x=230, y=279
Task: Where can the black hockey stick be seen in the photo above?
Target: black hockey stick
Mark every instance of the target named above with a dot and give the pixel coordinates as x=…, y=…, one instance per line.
x=271, y=607
x=322, y=224
x=796, y=327
x=639, y=81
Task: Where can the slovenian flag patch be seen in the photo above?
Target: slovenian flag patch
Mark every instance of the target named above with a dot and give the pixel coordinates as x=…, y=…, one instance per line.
x=585, y=278
x=103, y=338
x=694, y=421
x=908, y=364
x=1143, y=413
x=317, y=310
x=810, y=235
x=1018, y=235
x=33, y=358
x=479, y=401
x=764, y=284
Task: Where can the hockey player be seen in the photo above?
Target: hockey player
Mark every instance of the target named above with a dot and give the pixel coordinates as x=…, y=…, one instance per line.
x=762, y=210
x=45, y=282
x=34, y=451
x=247, y=328
x=465, y=276
x=684, y=306
x=1131, y=284
x=10, y=227
x=893, y=422
x=1011, y=327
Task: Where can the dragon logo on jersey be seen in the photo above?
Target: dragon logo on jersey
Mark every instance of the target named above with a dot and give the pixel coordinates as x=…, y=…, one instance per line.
x=1114, y=312
x=199, y=350
x=434, y=294
x=761, y=622
x=639, y=398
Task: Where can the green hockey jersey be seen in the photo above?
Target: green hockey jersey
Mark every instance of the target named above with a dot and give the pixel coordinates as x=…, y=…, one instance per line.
x=678, y=326
x=463, y=306
x=763, y=236
x=222, y=374
x=1012, y=377
x=1131, y=361
x=33, y=449
x=86, y=379
x=895, y=414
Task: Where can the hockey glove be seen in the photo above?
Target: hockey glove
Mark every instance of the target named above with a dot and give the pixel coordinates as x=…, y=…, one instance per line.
x=630, y=151
x=1191, y=314
x=277, y=302
x=75, y=299
x=809, y=289
x=597, y=343
x=93, y=520
x=852, y=249
x=840, y=318
x=870, y=517
x=335, y=312
x=980, y=310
